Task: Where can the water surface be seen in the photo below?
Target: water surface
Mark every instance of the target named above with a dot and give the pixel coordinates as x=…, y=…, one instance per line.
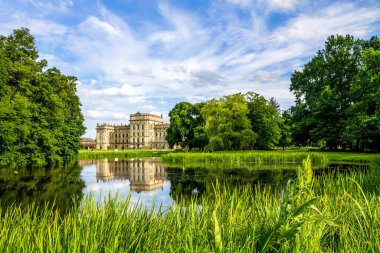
x=145, y=180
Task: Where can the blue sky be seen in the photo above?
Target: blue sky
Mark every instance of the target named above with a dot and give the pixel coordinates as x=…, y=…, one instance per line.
x=142, y=55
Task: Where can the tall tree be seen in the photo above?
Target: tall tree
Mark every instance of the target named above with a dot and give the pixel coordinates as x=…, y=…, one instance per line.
x=265, y=120
x=227, y=124
x=286, y=130
x=322, y=91
x=186, y=126
x=40, y=115
x=363, y=128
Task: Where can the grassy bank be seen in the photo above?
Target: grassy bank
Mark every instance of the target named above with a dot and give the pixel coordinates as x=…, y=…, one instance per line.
x=243, y=158
x=373, y=158
x=100, y=154
x=334, y=213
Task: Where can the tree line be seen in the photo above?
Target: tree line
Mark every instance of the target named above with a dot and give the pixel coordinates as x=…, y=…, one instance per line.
x=337, y=106
x=40, y=117
x=233, y=122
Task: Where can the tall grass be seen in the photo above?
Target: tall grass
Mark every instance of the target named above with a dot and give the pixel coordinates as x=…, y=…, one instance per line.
x=258, y=158
x=329, y=213
x=233, y=159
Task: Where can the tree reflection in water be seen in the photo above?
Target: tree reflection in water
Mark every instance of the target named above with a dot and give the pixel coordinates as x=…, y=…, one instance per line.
x=58, y=188
x=193, y=184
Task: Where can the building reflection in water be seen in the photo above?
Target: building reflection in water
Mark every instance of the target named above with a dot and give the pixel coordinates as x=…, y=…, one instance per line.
x=143, y=174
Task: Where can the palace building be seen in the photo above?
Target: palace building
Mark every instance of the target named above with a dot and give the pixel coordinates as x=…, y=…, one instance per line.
x=144, y=131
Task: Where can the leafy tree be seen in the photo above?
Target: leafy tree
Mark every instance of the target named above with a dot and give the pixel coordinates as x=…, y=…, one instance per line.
x=286, y=130
x=363, y=128
x=186, y=126
x=40, y=116
x=322, y=91
x=227, y=124
x=265, y=120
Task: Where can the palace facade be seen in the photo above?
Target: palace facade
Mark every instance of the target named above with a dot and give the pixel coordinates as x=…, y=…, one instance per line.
x=144, y=131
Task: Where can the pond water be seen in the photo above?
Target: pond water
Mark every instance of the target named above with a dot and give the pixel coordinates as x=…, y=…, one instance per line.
x=145, y=180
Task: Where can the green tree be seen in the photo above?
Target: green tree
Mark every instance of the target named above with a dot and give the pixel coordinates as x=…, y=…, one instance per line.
x=186, y=126
x=227, y=124
x=322, y=91
x=286, y=130
x=265, y=120
x=40, y=116
x=363, y=128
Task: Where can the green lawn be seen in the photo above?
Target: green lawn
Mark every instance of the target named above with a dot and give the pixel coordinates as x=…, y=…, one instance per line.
x=99, y=154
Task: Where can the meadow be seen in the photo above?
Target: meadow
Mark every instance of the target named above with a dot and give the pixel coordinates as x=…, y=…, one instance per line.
x=325, y=213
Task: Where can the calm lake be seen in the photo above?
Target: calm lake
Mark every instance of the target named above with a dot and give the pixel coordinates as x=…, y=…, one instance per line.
x=146, y=180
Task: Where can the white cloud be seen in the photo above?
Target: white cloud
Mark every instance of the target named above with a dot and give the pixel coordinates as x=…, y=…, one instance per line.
x=52, y=5
x=185, y=55
x=283, y=5
x=149, y=107
x=94, y=24
x=106, y=115
x=269, y=5
x=38, y=27
x=125, y=90
x=163, y=102
x=242, y=3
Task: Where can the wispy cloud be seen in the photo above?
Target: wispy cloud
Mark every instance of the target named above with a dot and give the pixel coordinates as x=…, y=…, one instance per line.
x=52, y=5
x=182, y=52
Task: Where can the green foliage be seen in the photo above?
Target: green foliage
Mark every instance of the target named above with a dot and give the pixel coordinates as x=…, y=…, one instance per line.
x=363, y=127
x=186, y=126
x=233, y=122
x=40, y=115
x=265, y=120
x=227, y=124
x=286, y=130
x=327, y=91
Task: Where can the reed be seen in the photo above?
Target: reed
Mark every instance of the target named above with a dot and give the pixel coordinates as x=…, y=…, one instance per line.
x=329, y=213
x=236, y=159
x=256, y=159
